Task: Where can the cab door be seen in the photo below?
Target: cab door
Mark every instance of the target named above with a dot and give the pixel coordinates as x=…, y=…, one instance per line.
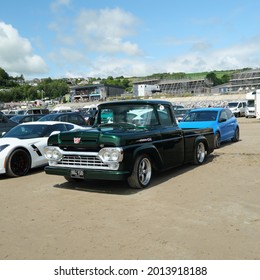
x=172, y=138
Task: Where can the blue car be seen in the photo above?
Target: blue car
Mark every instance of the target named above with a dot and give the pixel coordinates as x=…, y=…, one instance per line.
x=221, y=120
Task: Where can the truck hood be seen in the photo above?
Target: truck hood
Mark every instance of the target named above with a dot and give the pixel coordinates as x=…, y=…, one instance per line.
x=95, y=138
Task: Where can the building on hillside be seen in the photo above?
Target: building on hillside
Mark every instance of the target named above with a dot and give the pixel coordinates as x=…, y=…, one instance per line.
x=97, y=92
x=245, y=80
x=174, y=87
x=145, y=90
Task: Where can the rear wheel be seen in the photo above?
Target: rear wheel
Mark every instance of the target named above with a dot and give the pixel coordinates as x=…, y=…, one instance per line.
x=141, y=174
x=18, y=163
x=217, y=140
x=200, y=153
x=236, y=135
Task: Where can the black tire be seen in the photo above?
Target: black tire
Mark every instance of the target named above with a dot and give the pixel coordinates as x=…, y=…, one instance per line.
x=141, y=174
x=236, y=136
x=217, y=140
x=18, y=163
x=200, y=153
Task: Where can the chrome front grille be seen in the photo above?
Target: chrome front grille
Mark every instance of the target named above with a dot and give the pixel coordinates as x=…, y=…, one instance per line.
x=82, y=161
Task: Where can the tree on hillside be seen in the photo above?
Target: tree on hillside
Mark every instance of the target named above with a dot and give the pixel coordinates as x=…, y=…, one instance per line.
x=212, y=77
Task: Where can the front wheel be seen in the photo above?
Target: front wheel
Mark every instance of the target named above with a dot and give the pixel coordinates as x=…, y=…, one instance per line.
x=141, y=174
x=200, y=153
x=18, y=163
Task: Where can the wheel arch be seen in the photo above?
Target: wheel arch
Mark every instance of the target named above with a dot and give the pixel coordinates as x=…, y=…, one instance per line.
x=203, y=139
x=14, y=149
x=153, y=153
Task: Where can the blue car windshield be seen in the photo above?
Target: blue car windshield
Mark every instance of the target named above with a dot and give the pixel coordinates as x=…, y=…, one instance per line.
x=201, y=116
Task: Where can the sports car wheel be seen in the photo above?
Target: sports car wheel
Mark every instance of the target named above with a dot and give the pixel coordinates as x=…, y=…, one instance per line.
x=236, y=135
x=141, y=174
x=217, y=140
x=18, y=163
x=200, y=153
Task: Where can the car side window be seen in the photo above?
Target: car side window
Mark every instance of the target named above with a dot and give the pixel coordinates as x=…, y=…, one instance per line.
x=223, y=115
x=27, y=119
x=69, y=126
x=62, y=118
x=74, y=119
x=229, y=114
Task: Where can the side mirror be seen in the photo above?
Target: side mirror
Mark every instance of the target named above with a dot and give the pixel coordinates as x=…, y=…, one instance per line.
x=222, y=120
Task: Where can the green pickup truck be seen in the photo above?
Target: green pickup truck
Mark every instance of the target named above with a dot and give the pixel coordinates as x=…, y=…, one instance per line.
x=129, y=140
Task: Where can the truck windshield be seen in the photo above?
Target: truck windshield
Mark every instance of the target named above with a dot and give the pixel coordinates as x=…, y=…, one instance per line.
x=136, y=115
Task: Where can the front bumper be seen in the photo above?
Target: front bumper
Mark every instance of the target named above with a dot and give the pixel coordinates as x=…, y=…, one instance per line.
x=89, y=173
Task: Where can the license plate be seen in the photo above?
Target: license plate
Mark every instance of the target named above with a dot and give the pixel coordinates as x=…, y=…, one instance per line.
x=77, y=173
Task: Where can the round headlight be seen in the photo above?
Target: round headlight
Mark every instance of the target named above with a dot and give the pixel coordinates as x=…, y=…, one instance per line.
x=48, y=153
x=56, y=155
x=114, y=156
x=106, y=156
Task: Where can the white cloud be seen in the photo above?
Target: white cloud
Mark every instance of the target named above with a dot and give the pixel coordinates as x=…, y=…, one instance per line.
x=55, y=5
x=107, y=31
x=242, y=55
x=16, y=53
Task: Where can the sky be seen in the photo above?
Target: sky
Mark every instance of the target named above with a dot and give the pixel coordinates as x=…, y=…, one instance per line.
x=130, y=38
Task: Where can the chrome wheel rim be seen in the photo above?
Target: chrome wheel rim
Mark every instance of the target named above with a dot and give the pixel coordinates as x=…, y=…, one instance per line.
x=144, y=171
x=201, y=152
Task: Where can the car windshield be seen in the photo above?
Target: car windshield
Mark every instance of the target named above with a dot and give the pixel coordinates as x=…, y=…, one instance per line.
x=201, y=116
x=232, y=104
x=28, y=131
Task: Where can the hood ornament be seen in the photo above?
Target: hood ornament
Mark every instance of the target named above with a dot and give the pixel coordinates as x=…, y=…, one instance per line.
x=76, y=140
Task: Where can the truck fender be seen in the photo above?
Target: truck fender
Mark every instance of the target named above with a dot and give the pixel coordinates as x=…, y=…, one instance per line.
x=203, y=139
x=151, y=151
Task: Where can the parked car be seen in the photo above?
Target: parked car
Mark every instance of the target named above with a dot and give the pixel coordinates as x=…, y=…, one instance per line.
x=237, y=108
x=26, y=118
x=21, y=148
x=71, y=117
x=176, y=106
x=5, y=123
x=181, y=112
x=222, y=120
x=61, y=109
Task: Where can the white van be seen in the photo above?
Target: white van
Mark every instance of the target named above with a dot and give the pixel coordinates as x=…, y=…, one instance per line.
x=237, y=108
x=61, y=109
x=257, y=103
x=250, y=104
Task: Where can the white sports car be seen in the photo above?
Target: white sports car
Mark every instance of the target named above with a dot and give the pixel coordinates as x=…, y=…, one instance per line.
x=21, y=148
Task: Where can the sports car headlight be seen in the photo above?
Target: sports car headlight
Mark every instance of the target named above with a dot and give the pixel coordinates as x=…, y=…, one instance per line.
x=111, y=154
x=52, y=153
x=3, y=147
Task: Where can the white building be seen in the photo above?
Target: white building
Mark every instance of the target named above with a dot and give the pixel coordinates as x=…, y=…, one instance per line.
x=145, y=90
